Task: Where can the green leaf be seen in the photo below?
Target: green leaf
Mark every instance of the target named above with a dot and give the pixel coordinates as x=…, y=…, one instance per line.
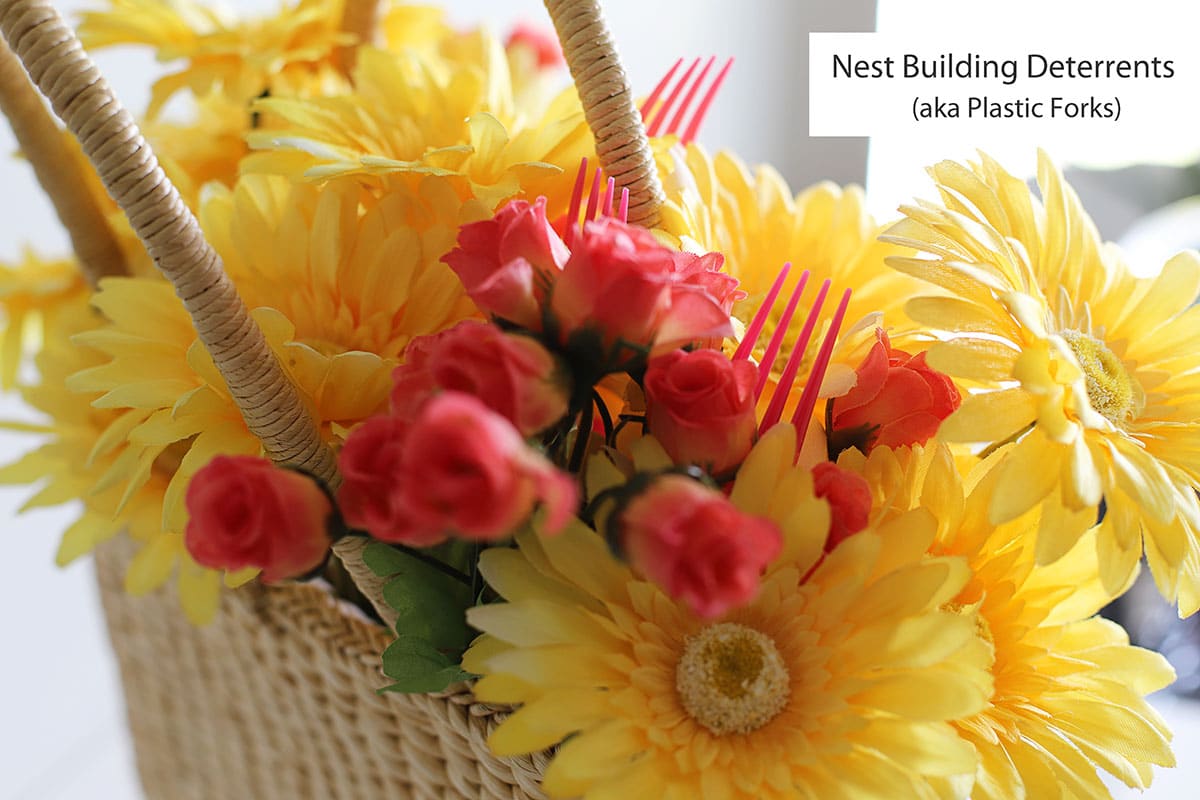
x=429, y=604
x=383, y=559
x=411, y=655
x=434, y=682
x=417, y=666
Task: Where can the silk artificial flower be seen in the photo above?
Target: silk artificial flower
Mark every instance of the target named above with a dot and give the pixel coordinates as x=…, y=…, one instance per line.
x=456, y=468
x=1091, y=371
x=840, y=684
x=246, y=513
x=512, y=374
x=615, y=295
x=898, y=400
x=700, y=406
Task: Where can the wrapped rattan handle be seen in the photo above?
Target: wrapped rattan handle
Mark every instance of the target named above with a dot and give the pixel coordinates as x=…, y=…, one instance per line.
x=59, y=171
x=360, y=19
x=56, y=62
x=608, y=105
x=269, y=402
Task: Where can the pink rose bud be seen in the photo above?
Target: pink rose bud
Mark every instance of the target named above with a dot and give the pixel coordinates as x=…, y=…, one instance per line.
x=693, y=542
x=372, y=467
x=543, y=43
x=625, y=285
x=899, y=401
x=849, y=498
x=458, y=469
x=243, y=511
x=702, y=275
x=505, y=262
x=512, y=374
x=700, y=407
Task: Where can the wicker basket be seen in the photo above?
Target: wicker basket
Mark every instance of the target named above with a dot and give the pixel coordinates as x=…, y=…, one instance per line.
x=278, y=697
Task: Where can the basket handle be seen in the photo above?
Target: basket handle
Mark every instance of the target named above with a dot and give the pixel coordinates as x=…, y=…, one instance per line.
x=59, y=171
x=269, y=402
x=130, y=172
x=361, y=19
x=607, y=99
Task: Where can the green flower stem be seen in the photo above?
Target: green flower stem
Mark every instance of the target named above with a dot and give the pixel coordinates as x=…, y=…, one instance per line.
x=582, y=435
x=436, y=563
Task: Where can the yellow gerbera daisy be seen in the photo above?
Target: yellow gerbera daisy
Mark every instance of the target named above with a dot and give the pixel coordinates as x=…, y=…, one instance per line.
x=33, y=291
x=288, y=52
x=358, y=287
x=1092, y=369
x=715, y=203
x=838, y=684
x=348, y=278
x=172, y=412
x=81, y=460
x=208, y=146
x=1068, y=697
x=349, y=287
x=411, y=115
x=230, y=61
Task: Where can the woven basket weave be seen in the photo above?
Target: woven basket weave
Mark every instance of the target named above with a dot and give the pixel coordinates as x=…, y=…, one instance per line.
x=277, y=699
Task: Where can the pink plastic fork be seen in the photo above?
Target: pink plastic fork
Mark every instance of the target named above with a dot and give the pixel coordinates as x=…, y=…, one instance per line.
x=808, y=397
x=595, y=205
x=655, y=114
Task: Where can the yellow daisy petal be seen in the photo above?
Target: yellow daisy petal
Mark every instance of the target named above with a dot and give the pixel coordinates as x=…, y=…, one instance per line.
x=630, y=694
x=1105, y=370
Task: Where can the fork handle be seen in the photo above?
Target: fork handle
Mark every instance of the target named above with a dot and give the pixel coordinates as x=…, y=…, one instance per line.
x=607, y=99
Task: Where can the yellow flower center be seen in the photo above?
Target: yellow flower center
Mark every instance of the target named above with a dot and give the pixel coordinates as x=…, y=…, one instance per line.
x=731, y=678
x=1111, y=390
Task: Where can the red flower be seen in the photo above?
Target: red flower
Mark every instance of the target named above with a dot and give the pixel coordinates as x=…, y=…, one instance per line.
x=512, y=374
x=619, y=283
x=697, y=545
x=543, y=44
x=849, y=498
x=898, y=401
x=700, y=407
x=372, y=466
x=622, y=283
x=246, y=512
x=457, y=469
x=506, y=261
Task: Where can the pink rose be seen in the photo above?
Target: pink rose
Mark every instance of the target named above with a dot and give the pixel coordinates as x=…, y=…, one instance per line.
x=506, y=262
x=243, y=511
x=625, y=285
x=372, y=467
x=849, y=498
x=458, y=469
x=700, y=407
x=899, y=401
x=513, y=374
x=702, y=274
x=619, y=284
x=541, y=42
x=697, y=545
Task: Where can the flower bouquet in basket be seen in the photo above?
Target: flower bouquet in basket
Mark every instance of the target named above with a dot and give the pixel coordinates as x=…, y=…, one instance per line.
x=634, y=473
